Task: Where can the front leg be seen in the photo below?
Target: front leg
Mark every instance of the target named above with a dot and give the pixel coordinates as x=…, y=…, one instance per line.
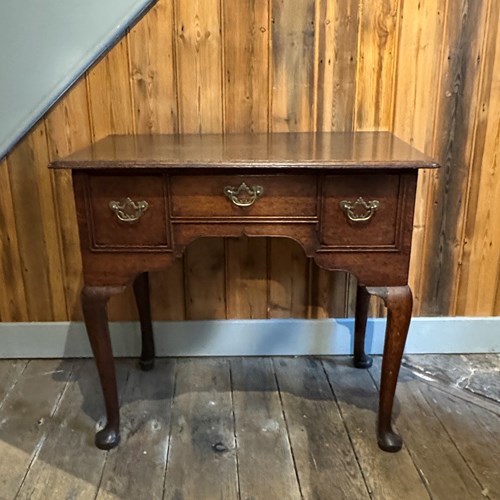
x=398, y=300
x=94, y=301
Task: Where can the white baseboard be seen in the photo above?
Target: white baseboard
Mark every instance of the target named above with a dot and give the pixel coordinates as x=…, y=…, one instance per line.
x=250, y=337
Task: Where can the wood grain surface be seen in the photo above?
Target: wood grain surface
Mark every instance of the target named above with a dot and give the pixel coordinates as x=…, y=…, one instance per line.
x=261, y=429
x=202, y=448
x=427, y=70
x=313, y=421
x=250, y=428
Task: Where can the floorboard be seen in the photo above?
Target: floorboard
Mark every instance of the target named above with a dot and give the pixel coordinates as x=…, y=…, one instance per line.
x=202, y=461
x=59, y=472
x=25, y=417
x=476, y=434
x=265, y=463
x=327, y=466
x=442, y=467
x=251, y=428
x=10, y=371
x=388, y=475
x=137, y=468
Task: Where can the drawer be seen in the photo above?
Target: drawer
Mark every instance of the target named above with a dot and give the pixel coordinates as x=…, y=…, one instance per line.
x=127, y=211
x=361, y=210
x=243, y=196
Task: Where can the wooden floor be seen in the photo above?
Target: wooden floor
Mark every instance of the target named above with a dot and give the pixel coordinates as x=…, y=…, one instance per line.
x=251, y=428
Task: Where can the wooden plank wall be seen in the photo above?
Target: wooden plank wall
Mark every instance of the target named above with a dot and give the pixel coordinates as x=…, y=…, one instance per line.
x=429, y=70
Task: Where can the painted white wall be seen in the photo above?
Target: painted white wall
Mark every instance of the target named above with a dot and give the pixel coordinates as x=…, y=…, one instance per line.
x=45, y=45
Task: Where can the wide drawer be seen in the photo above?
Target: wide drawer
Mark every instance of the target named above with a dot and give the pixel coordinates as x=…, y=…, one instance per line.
x=243, y=196
x=361, y=210
x=127, y=211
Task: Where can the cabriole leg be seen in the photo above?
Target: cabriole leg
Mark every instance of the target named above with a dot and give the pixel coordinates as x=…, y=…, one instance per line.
x=94, y=301
x=361, y=360
x=141, y=293
x=398, y=300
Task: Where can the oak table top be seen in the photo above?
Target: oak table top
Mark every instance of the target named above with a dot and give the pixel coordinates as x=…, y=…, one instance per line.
x=353, y=150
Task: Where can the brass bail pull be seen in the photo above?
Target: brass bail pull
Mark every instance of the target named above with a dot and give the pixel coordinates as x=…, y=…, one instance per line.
x=360, y=210
x=243, y=196
x=128, y=210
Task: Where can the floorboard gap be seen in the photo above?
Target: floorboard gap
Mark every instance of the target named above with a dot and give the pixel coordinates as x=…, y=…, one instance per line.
x=174, y=392
x=236, y=449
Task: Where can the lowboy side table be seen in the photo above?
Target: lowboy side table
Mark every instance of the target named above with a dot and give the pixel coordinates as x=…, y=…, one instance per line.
x=347, y=198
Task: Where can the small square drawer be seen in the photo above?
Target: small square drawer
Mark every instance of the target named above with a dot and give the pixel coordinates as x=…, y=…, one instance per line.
x=127, y=212
x=243, y=196
x=361, y=210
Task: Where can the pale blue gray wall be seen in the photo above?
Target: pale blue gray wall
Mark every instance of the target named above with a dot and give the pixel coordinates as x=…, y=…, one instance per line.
x=44, y=46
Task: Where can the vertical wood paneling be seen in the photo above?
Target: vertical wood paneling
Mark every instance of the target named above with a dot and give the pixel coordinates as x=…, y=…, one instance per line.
x=48, y=221
x=246, y=66
x=288, y=279
x=199, y=65
x=152, y=71
x=204, y=273
x=376, y=64
x=337, y=61
x=110, y=96
x=13, y=304
x=293, y=30
x=68, y=129
x=455, y=134
x=479, y=273
x=32, y=223
x=246, y=278
x=328, y=293
x=421, y=31
x=426, y=69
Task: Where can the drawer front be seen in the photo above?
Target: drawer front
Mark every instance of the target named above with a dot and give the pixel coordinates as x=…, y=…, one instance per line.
x=127, y=211
x=243, y=196
x=361, y=211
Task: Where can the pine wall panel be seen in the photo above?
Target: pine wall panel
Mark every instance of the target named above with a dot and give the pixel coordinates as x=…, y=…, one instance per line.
x=428, y=70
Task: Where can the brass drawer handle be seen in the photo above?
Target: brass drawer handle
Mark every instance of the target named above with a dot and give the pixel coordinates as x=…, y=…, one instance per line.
x=353, y=212
x=128, y=210
x=243, y=196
